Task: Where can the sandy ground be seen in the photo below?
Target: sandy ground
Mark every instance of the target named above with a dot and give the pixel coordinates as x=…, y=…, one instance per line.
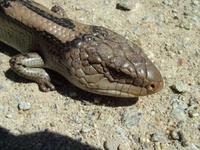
x=169, y=33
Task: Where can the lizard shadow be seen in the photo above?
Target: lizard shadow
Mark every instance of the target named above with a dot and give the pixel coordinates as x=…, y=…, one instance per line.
x=44, y=140
x=67, y=89
x=9, y=51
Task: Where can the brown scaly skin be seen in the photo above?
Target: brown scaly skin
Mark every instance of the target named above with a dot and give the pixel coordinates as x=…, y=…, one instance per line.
x=93, y=58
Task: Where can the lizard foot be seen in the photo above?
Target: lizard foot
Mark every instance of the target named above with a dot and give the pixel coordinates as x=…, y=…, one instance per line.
x=45, y=85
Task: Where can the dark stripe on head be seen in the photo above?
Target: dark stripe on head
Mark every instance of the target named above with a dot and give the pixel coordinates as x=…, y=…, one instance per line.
x=68, y=44
x=51, y=38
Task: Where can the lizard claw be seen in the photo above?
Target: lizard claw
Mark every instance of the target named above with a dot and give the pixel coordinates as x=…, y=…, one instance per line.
x=46, y=85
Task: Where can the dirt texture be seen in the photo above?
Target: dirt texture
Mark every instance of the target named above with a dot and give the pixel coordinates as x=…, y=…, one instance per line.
x=68, y=118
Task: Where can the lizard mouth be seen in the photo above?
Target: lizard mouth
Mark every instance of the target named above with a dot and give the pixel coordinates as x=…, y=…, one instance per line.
x=132, y=92
x=114, y=89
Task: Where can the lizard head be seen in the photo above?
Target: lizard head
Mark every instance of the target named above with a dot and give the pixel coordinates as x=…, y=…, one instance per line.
x=108, y=64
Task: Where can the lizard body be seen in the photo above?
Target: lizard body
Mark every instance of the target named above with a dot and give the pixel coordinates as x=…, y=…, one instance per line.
x=93, y=58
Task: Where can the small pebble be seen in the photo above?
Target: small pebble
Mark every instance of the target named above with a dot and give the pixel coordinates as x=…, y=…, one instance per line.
x=195, y=2
x=168, y=2
x=135, y=139
x=180, y=87
x=193, y=112
x=185, y=25
x=124, y=146
x=131, y=118
x=86, y=129
x=193, y=101
x=180, y=136
x=24, y=106
x=111, y=144
x=181, y=61
x=179, y=113
x=158, y=137
x=125, y=5
x=9, y=116
x=77, y=119
x=121, y=132
x=175, y=135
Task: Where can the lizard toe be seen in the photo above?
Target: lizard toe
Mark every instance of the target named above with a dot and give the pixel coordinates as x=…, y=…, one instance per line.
x=46, y=86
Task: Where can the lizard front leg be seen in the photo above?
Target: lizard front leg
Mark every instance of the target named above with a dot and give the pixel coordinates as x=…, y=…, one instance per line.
x=30, y=66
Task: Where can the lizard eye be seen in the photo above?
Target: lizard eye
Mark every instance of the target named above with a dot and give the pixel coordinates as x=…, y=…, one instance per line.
x=120, y=76
x=116, y=74
x=76, y=42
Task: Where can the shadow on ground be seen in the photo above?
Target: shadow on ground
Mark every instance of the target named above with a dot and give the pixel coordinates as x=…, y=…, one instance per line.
x=45, y=140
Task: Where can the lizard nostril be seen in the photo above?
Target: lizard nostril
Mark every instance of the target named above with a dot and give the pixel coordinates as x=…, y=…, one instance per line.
x=152, y=86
